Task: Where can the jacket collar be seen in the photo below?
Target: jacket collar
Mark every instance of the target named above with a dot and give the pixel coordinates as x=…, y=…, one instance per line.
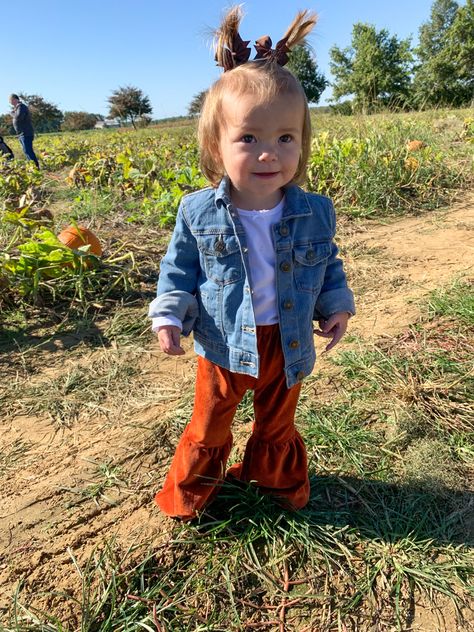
x=223, y=192
x=296, y=201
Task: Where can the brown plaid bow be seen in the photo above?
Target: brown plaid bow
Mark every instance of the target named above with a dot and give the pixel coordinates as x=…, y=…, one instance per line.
x=264, y=49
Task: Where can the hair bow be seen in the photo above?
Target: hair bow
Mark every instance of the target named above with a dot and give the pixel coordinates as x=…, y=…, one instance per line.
x=264, y=49
x=237, y=55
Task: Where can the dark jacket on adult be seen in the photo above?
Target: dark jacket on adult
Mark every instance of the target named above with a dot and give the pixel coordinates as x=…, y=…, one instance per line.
x=22, y=120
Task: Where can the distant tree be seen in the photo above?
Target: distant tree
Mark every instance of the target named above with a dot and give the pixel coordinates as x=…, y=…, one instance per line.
x=444, y=73
x=195, y=107
x=460, y=49
x=433, y=32
x=78, y=121
x=375, y=69
x=345, y=108
x=303, y=65
x=432, y=73
x=129, y=103
x=45, y=116
x=143, y=121
x=6, y=127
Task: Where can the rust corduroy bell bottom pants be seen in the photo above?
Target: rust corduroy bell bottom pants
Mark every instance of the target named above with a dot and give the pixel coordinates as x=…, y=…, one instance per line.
x=275, y=455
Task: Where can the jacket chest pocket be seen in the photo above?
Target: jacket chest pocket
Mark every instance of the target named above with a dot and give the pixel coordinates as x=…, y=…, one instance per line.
x=221, y=258
x=310, y=265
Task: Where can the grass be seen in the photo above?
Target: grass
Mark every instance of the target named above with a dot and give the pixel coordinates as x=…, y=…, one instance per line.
x=390, y=438
x=339, y=438
x=456, y=301
x=246, y=564
x=105, y=479
x=76, y=391
x=12, y=454
x=428, y=373
x=129, y=325
x=364, y=166
x=388, y=524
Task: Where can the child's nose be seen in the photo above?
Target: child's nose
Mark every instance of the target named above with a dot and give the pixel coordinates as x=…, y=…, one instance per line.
x=267, y=154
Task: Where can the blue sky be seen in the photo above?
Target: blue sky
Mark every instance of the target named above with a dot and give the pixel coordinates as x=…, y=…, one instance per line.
x=75, y=53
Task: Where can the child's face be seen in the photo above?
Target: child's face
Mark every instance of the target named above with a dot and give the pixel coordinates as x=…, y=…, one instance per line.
x=260, y=147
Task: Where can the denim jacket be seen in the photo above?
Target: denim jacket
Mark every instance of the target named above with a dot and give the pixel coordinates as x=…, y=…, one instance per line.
x=205, y=280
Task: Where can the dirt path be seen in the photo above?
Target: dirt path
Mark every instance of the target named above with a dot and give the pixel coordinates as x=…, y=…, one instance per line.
x=398, y=264
x=64, y=490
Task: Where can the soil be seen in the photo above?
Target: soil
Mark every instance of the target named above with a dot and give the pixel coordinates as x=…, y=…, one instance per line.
x=53, y=512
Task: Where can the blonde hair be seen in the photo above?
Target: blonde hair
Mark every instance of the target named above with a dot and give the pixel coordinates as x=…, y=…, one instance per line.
x=264, y=79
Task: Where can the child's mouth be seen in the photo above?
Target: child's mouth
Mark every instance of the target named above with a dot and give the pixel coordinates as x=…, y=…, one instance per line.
x=270, y=174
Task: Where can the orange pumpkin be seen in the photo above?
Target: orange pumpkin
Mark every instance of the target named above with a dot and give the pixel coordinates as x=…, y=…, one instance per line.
x=76, y=236
x=415, y=145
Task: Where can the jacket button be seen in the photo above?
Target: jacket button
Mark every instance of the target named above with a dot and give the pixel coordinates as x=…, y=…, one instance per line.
x=288, y=305
x=310, y=255
x=294, y=344
x=285, y=266
x=299, y=376
x=284, y=230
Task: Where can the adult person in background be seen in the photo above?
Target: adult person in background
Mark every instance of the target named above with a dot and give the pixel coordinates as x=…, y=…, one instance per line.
x=23, y=127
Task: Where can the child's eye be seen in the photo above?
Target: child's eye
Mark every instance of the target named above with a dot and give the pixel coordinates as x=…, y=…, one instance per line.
x=248, y=138
x=286, y=138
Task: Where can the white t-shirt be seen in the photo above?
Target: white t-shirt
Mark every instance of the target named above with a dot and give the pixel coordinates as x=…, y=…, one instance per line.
x=261, y=254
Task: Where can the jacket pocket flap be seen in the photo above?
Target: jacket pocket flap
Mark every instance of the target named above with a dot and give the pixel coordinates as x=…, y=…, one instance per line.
x=312, y=253
x=218, y=245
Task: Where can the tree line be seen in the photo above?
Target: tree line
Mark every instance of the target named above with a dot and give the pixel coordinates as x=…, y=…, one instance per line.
x=378, y=70
x=127, y=105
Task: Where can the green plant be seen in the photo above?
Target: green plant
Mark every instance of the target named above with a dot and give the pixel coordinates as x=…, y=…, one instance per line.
x=44, y=270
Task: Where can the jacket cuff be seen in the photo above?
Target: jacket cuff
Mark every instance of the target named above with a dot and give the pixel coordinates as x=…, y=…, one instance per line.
x=165, y=321
x=334, y=301
x=176, y=304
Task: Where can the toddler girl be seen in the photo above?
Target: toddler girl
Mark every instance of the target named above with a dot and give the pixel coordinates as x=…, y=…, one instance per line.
x=250, y=265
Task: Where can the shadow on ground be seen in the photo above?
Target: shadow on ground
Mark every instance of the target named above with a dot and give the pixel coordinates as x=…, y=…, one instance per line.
x=375, y=509
x=55, y=333
x=47, y=335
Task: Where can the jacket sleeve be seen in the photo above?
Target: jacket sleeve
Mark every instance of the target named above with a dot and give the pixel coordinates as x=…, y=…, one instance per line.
x=335, y=295
x=179, y=271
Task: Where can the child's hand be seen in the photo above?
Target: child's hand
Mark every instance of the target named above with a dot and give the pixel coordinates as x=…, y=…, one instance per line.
x=168, y=337
x=334, y=327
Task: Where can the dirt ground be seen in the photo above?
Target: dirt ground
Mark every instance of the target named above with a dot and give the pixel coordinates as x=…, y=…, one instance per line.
x=51, y=515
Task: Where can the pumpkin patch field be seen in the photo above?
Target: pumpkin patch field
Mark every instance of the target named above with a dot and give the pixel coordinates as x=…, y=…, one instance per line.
x=91, y=410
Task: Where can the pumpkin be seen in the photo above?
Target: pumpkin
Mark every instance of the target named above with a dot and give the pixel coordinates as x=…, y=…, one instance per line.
x=76, y=236
x=415, y=145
